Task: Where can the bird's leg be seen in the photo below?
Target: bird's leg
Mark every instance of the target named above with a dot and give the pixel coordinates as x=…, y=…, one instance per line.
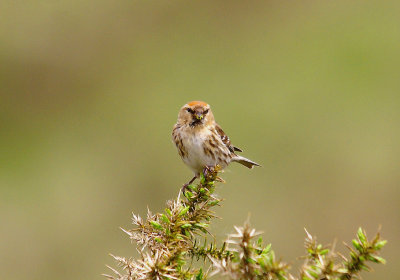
x=206, y=170
x=187, y=184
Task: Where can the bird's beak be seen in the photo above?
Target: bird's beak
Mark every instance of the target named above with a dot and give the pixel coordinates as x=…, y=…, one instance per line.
x=199, y=116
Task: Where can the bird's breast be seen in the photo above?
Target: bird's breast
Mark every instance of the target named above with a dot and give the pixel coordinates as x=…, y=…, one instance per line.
x=194, y=144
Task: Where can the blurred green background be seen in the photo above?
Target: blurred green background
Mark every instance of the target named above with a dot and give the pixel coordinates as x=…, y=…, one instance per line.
x=90, y=90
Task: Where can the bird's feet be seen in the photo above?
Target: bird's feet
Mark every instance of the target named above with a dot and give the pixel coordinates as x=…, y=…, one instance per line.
x=207, y=170
x=183, y=189
x=187, y=184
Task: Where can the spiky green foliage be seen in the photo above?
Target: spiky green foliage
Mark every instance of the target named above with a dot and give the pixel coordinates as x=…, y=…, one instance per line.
x=321, y=262
x=170, y=244
x=249, y=258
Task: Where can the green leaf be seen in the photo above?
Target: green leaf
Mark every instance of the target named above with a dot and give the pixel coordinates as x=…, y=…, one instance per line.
x=364, y=267
x=361, y=236
x=201, y=225
x=281, y=277
x=376, y=259
x=202, y=178
x=213, y=203
x=168, y=211
x=184, y=211
x=186, y=226
x=343, y=270
x=357, y=245
x=261, y=262
x=199, y=275
x=267, y=249
x=165, y=219
x=314, y=274
x=380, y=259
x=380, y=244
x=324, y=252
x=188, y=194
x=156, y=225
x=353, y=255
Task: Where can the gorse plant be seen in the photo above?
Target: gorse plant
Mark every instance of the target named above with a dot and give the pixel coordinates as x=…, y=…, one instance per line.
x=171, y=243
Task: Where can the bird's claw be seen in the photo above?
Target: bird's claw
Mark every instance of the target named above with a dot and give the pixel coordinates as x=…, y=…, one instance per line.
x=207, y=170
x=184, y=187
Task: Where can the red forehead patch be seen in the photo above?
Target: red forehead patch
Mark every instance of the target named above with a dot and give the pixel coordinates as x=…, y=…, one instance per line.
x=195, y=103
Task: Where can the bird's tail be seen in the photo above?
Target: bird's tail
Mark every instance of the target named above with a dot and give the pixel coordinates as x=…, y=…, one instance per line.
x=245, y=161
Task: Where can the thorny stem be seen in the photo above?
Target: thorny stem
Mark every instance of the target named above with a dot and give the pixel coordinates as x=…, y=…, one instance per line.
x=169, y=243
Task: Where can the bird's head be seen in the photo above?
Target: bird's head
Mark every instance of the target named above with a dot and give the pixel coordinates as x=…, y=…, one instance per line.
x=195, y=113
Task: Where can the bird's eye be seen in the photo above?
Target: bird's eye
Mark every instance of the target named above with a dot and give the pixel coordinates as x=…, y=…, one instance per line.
x=190, y=110
x=205, y=112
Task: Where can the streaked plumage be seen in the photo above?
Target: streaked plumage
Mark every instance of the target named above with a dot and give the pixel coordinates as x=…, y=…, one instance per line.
x=201, y=142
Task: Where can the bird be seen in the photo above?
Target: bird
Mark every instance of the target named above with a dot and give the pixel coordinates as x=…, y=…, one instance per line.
x=201, y=142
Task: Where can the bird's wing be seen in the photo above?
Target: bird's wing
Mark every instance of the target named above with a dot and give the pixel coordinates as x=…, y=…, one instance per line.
x=225, y=139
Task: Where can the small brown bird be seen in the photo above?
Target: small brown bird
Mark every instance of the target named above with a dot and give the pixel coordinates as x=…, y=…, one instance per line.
x=201, y=142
